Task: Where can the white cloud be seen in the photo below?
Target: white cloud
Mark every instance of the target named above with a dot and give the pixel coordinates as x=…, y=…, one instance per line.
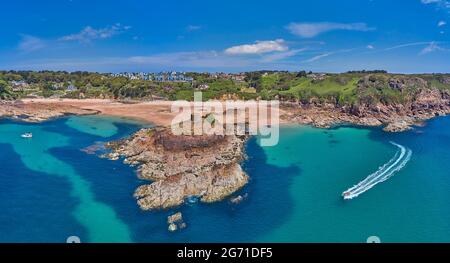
x=309, y=30
x=430, y=1
x=31, y=43
x=441, y=23
x=259, y=47
x=190, y=60
x=200, y=59
x=318, y=57
x=428, y=47
x=407, y=45
x=89, y=33
x=432, y=47
x=191, y=28
x=370, y=47
x=440, y=3
x=282, y=55
x=324, y=55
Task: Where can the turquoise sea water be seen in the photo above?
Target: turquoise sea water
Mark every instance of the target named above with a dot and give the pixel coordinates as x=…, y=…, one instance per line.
x=50, y=189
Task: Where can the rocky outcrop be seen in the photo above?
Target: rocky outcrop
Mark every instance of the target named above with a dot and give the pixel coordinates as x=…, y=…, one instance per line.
x=176, y=222
x=238, y=199
x=398, y=126
x=182, y=166
x=38, y=112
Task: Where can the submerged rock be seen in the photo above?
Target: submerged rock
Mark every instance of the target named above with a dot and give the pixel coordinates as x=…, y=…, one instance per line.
x=173, y=228
x=192, y=199
x=113, y=156
x=238, y=199
x=96, y=149
x=398, y=126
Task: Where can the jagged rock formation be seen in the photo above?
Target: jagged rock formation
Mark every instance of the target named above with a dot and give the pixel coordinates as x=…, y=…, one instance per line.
x=175, y=222
x=182, y=166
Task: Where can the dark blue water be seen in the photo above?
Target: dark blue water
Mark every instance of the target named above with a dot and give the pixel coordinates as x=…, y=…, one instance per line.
x=50, y=190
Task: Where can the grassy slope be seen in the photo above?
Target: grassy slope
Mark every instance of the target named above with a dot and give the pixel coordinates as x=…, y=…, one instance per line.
x=328, y=89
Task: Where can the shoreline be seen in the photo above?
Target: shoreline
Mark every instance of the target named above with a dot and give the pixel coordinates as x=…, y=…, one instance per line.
x=165, y=160
x=155, y=112
x=158, y=113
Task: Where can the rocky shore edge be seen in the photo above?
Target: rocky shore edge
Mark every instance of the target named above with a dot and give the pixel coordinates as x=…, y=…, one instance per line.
x=395, y=117
x=39, y=112
x=179, y=168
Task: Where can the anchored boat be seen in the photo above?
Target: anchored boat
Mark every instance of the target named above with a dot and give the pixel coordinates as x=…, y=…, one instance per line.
x=27, y=135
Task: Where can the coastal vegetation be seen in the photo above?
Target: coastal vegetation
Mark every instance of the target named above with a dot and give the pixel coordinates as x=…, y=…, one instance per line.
x=345, y=89
x=5, y=91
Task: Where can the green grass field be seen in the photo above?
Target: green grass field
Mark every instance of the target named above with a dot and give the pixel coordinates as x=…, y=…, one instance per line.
x=342, y=90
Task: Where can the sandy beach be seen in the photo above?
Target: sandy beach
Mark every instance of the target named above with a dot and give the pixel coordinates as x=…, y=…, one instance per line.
x=155, y=112
x=159, y=113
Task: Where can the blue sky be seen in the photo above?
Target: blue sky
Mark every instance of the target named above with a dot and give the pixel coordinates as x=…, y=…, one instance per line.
x=406, y=36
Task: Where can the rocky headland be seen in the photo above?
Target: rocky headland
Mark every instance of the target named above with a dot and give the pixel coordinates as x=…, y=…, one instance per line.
x=415, y=102
x=181, y=167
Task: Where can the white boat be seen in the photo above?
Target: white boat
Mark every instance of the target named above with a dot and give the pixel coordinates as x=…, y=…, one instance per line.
x=346, y=195
x=27, y=135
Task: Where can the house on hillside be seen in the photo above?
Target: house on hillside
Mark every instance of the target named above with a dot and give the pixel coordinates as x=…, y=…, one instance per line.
x=19, y=85
x=71, y=87
x=203, y=87
x=317, y=76
x=238, y=77
x=57, y=86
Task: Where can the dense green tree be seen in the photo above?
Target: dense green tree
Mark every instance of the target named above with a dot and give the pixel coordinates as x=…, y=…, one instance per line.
x=5, y=90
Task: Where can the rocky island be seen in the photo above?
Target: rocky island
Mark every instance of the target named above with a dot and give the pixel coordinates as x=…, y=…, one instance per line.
x=180, y=167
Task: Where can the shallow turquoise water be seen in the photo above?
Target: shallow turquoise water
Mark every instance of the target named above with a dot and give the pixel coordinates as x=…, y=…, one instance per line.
x=93, y=217
x=102, y=126
x=50, y=190
x=412, y=206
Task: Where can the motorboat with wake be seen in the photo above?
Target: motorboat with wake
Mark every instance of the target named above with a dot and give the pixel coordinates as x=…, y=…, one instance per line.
x=389, y=169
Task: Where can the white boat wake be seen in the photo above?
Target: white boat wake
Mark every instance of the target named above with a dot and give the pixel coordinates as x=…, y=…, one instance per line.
x=385, y=172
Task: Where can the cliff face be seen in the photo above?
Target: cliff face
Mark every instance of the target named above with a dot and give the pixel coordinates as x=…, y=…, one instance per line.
x=401, y=96
x=182, y=166
x=398, y=102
